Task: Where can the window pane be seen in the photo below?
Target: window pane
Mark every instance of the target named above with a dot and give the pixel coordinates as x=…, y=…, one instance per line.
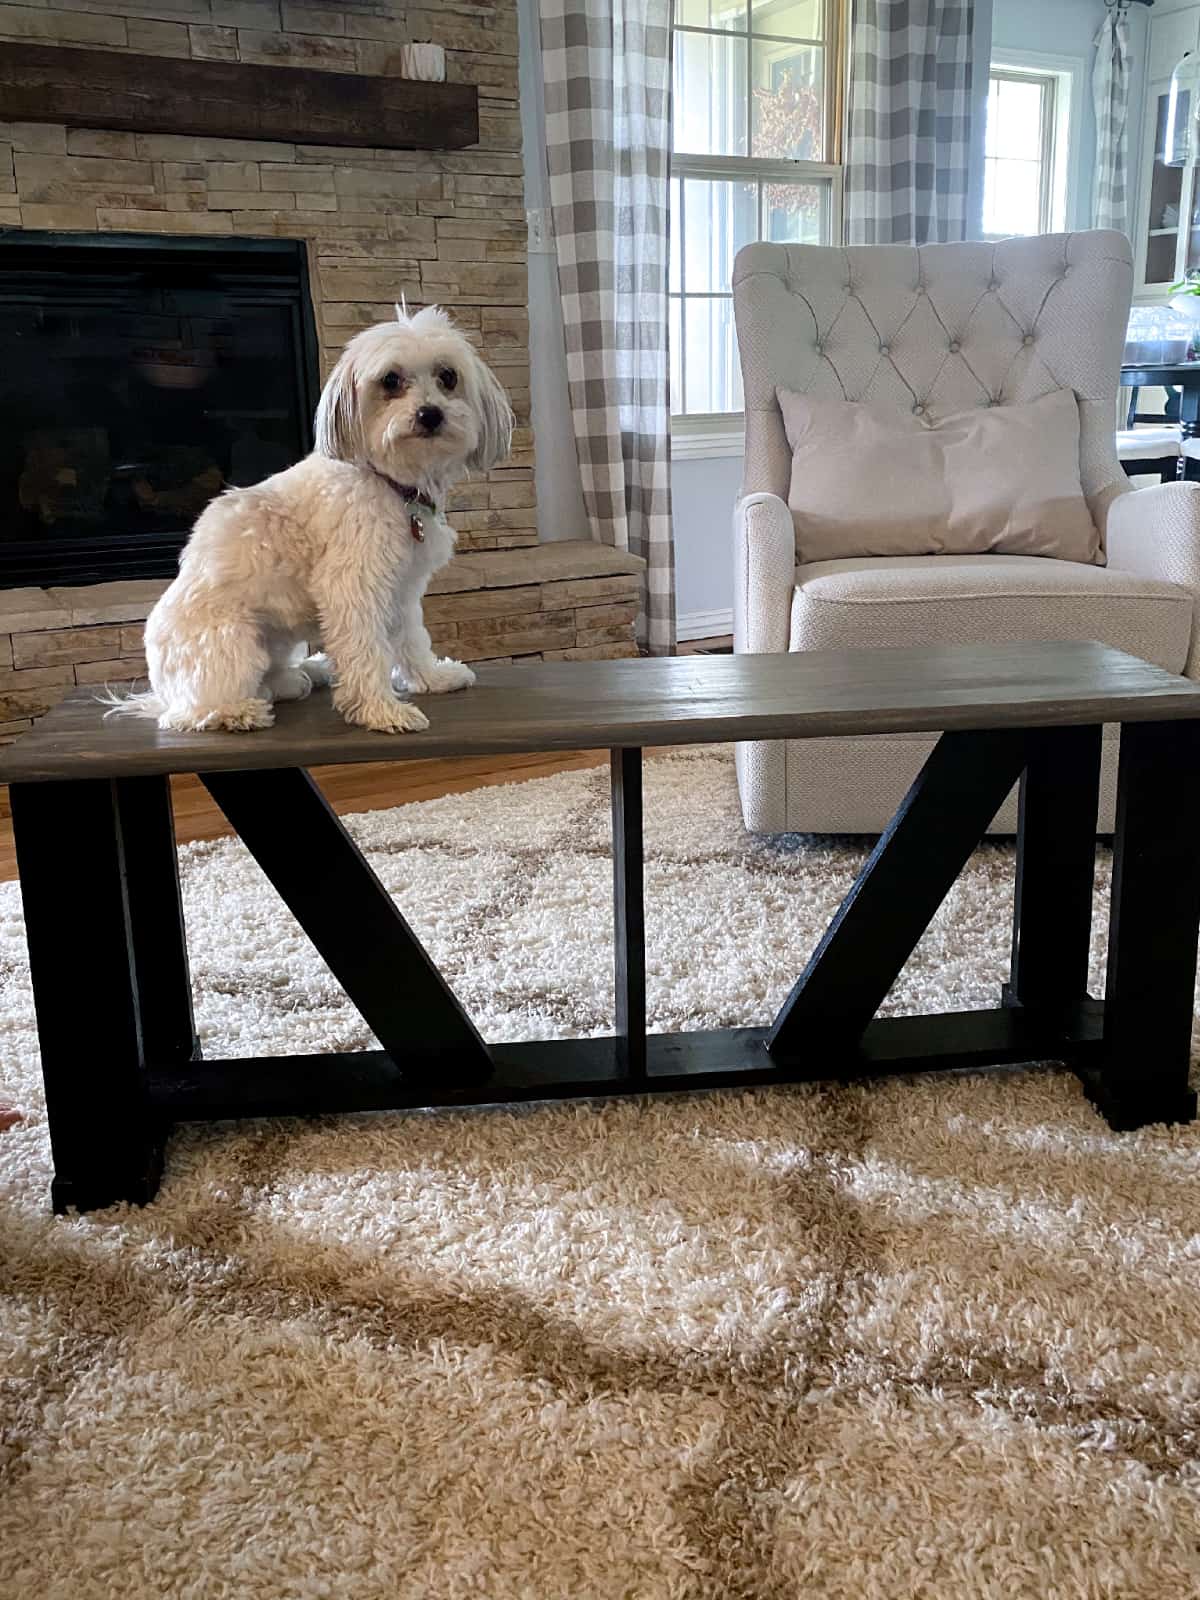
x=787, y=101
x=727, y=14
x=1017, y=180
x=676, y=350
x=1018, y=118
x=1012, y=197
x=720, y=215
x=796, y=213
x=714, y=380
x=674, y=281
x=719, y=218
x=709, y=108
x=991, y=139
x=788, y=19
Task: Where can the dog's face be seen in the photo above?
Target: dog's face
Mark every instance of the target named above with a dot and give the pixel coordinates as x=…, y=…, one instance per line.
x=413, y=399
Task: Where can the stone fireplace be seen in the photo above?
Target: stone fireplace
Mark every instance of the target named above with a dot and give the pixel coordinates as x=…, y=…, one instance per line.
x=102, y=483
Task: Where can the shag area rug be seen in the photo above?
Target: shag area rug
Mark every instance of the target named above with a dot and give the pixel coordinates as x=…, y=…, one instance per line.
x=935, y=1338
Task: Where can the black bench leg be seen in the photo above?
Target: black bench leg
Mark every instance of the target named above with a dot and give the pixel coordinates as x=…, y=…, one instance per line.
x=893, y=900
x=292, y=832
x=1155, y=916
x=160, y=956
x=1056, y=870
x=106, y=1142
x=629, y=923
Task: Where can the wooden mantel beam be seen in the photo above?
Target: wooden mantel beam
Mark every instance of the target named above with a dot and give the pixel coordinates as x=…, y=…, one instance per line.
x=232, y=100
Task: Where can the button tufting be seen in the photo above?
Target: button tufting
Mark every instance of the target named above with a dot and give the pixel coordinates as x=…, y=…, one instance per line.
x=884, y=349
x=993, y=285
x=919, y=409
x=819, y=349
x=1028, y=339
x=955, y=347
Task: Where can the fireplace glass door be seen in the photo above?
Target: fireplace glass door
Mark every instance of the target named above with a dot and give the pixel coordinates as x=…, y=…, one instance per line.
x=141, y=377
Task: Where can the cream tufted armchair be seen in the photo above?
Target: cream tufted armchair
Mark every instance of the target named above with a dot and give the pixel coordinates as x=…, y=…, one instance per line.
x=934, y=330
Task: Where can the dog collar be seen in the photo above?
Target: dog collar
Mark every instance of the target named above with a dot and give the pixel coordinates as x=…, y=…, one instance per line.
x=412, y=497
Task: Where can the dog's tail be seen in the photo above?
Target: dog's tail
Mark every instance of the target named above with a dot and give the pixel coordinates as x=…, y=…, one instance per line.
x=133, y=703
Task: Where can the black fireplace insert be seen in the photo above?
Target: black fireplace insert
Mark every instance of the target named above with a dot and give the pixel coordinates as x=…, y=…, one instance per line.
x=140, y=376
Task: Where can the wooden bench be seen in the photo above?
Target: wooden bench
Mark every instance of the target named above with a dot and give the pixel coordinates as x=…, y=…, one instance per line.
x=95, y=845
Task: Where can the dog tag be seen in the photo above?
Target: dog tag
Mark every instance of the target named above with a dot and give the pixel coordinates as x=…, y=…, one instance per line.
x=417, y=527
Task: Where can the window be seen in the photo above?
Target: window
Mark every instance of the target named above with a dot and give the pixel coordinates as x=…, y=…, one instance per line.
x=757, y=96
x=1028, y=141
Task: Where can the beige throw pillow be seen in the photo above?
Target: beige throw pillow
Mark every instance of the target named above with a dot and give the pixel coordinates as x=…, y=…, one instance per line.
x=998, y=478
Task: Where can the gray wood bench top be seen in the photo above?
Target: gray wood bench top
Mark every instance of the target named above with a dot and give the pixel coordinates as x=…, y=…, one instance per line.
x=571, y=705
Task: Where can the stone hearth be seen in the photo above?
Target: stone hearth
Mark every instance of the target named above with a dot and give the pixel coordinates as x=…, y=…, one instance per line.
x=571, y=600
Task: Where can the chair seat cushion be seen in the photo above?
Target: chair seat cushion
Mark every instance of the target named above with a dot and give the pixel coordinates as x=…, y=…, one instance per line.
x=913, y=600
x=1148, y=444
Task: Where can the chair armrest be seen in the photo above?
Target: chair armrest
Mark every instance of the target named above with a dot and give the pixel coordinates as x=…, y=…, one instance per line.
x=1155, y=533
x=764, y=574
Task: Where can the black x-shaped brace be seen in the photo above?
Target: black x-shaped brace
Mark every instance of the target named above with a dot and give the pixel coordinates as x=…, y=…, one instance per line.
x=122, y=1063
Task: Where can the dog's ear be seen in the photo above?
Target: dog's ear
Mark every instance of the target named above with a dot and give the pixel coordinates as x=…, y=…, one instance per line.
x=495, y=421
x=336, y=426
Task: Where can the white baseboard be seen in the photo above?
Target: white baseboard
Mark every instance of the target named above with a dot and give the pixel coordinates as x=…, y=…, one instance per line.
x=704, y=624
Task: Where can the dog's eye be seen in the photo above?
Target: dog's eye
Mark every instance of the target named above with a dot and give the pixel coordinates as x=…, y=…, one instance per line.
x=447, y=377
x=392, y=381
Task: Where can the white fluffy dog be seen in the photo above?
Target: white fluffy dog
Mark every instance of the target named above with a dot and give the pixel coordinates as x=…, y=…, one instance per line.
x=333, y=555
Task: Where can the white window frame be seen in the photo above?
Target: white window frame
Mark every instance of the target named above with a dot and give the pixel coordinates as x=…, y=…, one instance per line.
x=1068, y=208
x=722, y=433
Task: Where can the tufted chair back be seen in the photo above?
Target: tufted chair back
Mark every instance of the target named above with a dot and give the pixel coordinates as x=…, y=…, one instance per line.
x=934, y=329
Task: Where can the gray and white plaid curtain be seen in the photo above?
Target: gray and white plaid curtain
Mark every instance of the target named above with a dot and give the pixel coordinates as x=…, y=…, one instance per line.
x=1110, y=96
x=607, y=71
x=909, y=141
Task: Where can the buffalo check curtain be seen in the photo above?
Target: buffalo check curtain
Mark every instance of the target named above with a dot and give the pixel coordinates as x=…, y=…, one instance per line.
x=909, y=142
x=1110, y=97
x=607, y=73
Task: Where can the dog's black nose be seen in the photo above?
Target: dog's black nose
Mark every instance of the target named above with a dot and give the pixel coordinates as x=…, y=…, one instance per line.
x=430, y=418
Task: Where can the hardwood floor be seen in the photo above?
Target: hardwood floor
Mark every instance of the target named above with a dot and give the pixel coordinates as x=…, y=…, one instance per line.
x=373, y=786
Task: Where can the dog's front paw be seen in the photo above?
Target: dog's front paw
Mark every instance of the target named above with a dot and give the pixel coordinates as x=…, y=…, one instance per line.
x=383, y=715
x=443, y=677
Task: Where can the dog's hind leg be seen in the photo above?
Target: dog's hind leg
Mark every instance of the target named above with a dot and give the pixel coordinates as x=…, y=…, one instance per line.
x=285, y=678
x=420, y=669
x=216, y=682
x=318, y=670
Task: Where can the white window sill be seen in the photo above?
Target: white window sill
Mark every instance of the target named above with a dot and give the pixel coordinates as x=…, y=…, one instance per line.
x=708, y=438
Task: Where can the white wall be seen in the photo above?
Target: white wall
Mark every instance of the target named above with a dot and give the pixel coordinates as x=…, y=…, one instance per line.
x=1068, y=28
x=702, y=495
x=1065, y=28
